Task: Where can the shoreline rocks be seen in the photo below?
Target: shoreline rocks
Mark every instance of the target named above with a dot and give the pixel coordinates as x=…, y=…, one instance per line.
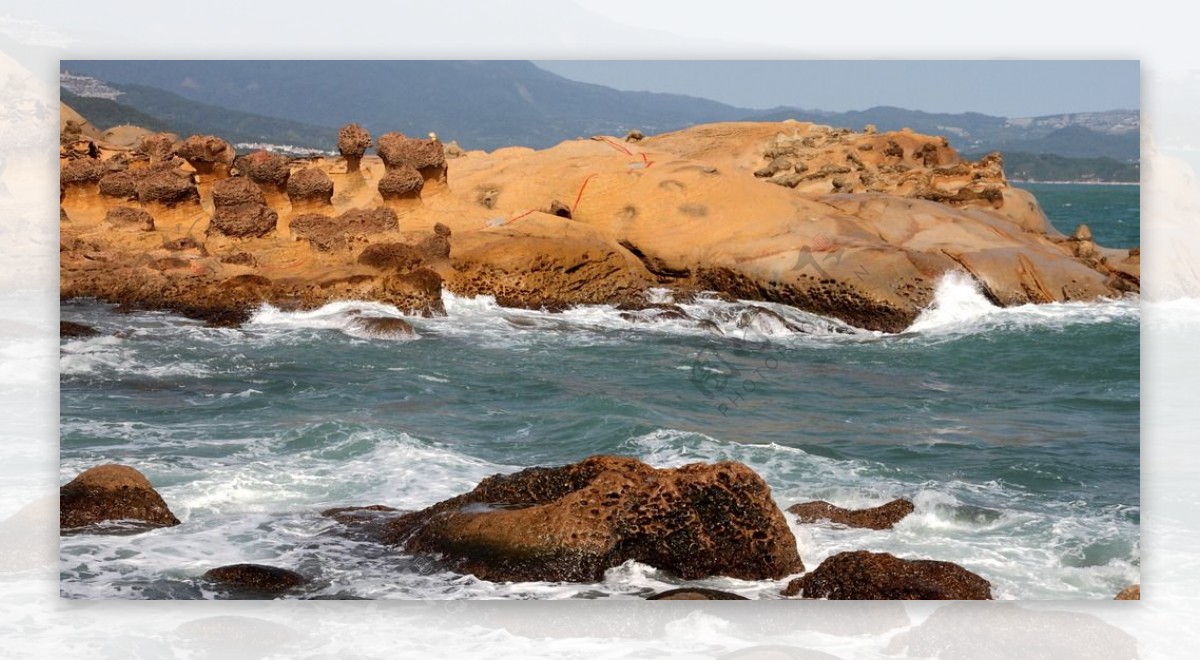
x=865, y=575
x=112, y=493
x=572, y=523
x=880, y=517
x=256, y=577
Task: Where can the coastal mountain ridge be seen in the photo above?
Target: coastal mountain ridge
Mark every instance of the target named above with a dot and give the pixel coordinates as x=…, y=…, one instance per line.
x=491, y=104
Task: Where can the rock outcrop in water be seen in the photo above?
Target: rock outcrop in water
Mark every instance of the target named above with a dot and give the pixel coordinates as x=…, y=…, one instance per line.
x=572, y=523
x=881, y=576
x=857, y=226
x=256, y=577
x=110, y=493
x=880, y=517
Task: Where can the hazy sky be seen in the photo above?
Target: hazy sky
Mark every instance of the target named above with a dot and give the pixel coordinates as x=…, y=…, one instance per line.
x=1010, y=88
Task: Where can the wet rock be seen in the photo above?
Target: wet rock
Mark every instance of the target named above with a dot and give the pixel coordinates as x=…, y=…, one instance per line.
x=401, y=182
x=353, y=142
x=125, y=218
x=112, y=493
x=880, y=517
x=72, y=330
x=310, y=186
x=207, y=154
x=1130, y=593
x=384, y=327
x=571, y=523
x=416, y=292
x=695, y=593
x=865, y=575
x=256, y=577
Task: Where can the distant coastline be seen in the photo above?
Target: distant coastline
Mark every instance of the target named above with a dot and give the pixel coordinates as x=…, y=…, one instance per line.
x=1079, y=183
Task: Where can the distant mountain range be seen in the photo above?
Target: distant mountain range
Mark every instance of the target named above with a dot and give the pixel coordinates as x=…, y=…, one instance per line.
x=490, y=104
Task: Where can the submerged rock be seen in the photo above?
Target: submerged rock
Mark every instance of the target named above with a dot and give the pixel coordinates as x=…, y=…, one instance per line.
x=572, y=523
x=880, y=517
x=695, y=593
x=256, y=577
x=72, y=330
x=865, y=575
x=383, y=327
x=112, y=493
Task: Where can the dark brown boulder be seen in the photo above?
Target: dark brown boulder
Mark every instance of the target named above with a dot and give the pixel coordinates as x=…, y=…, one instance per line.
x=249, y=220
x=427, y=156
x=72, y=330
x=208, y=154
x=81, y=172
x=310, y=185
x=880, y=517
x=401, y=182
x=571, y=523
x=695, y=593
x=166, y=185
x=236, y=190
x=384, y=327
x=129, y=219
x=391, y=256
x=353, y=142
x=435, y=247
x=256, y=577
x=266, y=169
x=881, y=576
x=110, y=493
x=121, y=185
x=442, y=230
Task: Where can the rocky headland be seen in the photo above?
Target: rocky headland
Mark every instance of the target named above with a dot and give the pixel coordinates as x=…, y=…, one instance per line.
x=853, y=225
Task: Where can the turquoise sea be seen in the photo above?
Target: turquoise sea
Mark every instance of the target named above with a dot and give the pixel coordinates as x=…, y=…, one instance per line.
x=1015, y=431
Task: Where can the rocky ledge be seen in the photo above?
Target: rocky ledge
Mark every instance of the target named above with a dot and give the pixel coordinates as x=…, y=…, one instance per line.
x=853, y=225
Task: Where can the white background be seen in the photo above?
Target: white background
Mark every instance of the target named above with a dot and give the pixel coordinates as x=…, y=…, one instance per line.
x=34, y=623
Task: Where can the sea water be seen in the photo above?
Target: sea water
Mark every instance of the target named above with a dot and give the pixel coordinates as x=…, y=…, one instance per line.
x=1014, y=431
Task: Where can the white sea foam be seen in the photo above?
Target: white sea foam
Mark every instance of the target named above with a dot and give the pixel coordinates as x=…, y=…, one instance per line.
x=959, y=308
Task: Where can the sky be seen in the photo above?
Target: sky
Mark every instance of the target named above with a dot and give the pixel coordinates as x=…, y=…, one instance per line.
x=1008, y=88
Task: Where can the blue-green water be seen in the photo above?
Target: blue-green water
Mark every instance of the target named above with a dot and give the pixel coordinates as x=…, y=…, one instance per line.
x=1111, y=212
x=1014, y=431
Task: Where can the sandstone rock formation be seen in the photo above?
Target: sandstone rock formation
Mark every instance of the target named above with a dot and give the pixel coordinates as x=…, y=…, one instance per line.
x=860, y=226
x=881, y=576
x=241, y=210
x=209, y=155
x=573, y=522
x=270, y=171
x=310, y=186
x=124, y=218
x=401, y=182
x=880, y=517
x=326, y=233
x=353, y=142
x=108, y=493
x=1130, y=593
x=158, y=147
x=256, y=577
x=384, y=327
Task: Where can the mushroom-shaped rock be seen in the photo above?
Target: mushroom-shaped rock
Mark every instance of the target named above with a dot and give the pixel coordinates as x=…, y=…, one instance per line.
x=256, y=577
x=427, y=156
x=166, y=185
x=310, y=186
x=268, y=170
x=236, y=190
x=121, y=185
x=353, y=142
x=880, y=517
x=249, y=220
x=571, y=523
x=129, y=219
x=384, y=327
x=81, y=172
x=158, y=147
x=110, y=493
x=401, y=182
x=865, y=575
x=208, y=154
x=695, y=593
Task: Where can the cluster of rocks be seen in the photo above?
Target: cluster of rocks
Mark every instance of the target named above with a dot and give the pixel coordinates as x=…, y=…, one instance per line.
x=826, y=160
